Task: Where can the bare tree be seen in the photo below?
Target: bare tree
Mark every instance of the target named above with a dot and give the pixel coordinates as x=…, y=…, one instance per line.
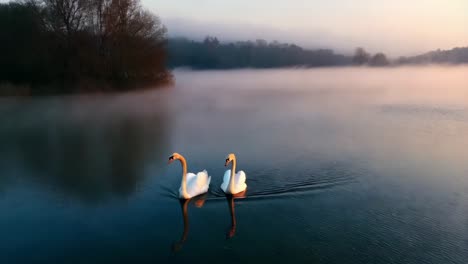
x=66, y=15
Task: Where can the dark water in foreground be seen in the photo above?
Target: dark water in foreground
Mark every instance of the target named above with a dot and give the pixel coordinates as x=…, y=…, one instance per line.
x=343, y=166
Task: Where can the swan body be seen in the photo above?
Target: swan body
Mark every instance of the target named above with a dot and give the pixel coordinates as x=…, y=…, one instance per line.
x=239, y=182
x=192, y=184
x=233, y=182
x=196, y=184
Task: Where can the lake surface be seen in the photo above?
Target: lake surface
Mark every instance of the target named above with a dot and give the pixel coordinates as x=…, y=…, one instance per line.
x=343, y=166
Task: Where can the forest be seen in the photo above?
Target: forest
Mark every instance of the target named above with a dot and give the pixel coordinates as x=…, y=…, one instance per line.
x=213, y=54
x=67, y=46
x=452, y=56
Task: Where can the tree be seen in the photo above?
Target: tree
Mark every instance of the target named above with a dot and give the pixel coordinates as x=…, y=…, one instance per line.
x=67, y=41
x=361, y=57
x=23, y=48
x=379, y=59
x=132, y=40
x=211, y=41
x=66, y=16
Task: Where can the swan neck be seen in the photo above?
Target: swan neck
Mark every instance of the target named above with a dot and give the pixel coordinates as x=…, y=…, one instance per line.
x=184, y=177
x=233, y=173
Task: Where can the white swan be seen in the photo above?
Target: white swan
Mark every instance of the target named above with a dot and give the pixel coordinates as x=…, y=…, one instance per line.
x=192, y=185
x=233, y=183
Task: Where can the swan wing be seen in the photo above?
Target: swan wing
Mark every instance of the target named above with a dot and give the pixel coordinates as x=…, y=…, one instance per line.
x=198, y=183
x=190, y=176
x=240, y=185
x=226, y=178
x=203, y=179
x=191, y=184
x=240, y=177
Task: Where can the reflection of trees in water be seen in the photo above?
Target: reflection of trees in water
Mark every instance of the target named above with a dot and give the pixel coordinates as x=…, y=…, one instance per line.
x=90, y=160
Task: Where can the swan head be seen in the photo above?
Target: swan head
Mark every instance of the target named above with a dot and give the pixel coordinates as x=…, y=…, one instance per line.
x=229, y=158
x=174, y=156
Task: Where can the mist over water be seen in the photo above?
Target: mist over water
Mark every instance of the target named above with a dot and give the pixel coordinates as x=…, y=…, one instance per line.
x=344, y=165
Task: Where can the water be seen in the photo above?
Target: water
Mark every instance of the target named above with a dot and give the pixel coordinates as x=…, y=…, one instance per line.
x=343, y=166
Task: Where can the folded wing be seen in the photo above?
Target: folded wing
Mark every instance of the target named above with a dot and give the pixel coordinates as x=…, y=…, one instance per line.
x=197, y=183
x=226, y=179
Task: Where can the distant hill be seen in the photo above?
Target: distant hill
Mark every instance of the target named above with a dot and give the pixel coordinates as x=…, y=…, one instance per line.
x=453, y=56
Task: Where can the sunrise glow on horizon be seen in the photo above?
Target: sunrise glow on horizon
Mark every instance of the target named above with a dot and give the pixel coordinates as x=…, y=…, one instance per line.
x=398, y=27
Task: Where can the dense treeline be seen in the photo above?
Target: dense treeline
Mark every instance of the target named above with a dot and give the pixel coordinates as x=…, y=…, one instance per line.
x=362, y=57
x=212, y=54
x=81, y=44
x=453, y=56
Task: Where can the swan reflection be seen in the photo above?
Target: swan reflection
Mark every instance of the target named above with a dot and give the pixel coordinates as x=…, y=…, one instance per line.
x=230, y=199
x=198, y=202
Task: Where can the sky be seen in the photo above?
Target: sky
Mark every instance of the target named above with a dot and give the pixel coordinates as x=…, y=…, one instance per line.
x=395, y=27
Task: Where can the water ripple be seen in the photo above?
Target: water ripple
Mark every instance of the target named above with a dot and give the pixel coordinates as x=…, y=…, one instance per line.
x=447, y=112
x=272, y=183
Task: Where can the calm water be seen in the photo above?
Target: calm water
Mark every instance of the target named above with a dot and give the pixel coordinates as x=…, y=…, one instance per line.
x=343, y=166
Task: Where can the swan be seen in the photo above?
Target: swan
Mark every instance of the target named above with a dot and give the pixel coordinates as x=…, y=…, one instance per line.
x=192, y=184
x=233, y=183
